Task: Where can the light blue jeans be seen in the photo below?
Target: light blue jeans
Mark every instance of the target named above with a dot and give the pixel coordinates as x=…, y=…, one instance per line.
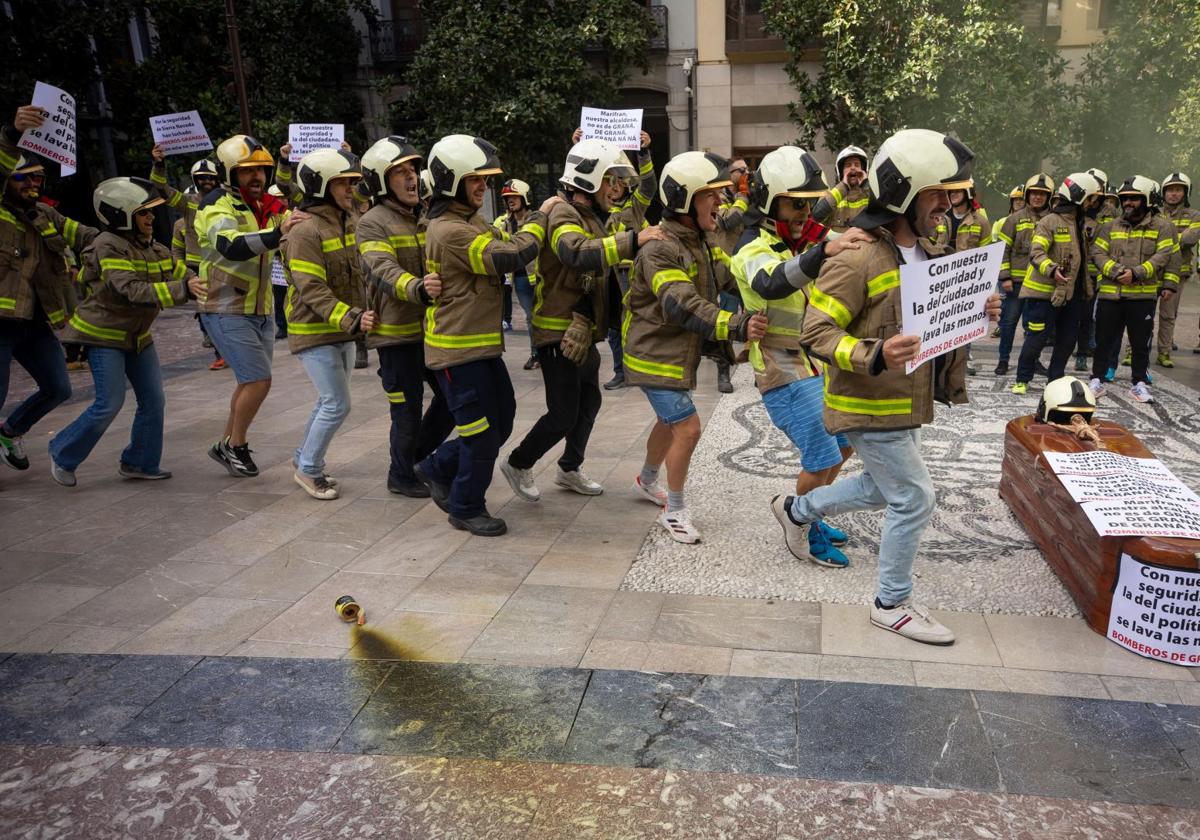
x=328, y=366
x=893, y=477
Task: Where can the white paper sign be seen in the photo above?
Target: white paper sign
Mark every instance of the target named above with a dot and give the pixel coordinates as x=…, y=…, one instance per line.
x=278, y=278
x=621, y=128
x=1124, y=496
x=181, y=133
x=308, y=137
x=1156, y=612
x=943, y=299
x=55, y=140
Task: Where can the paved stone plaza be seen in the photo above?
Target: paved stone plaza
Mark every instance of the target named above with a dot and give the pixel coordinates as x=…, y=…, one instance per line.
x=174, y=666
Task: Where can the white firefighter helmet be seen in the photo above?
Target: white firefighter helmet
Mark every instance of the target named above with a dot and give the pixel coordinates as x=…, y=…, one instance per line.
x=590, y=160
x=379, y=160
x=118, y=199
x=1062, y=398
x=1041, y=182
x=204, y=167
x=787, y=171
x=425, y=188
x=846, y=153
x=515, y=187
x=456, y=156
x=1178, y=179
x=240, y=150
x=1100, y=175
x=319, y=167
x=917, y=159
x=1147, y=188
x=689, y=173
x=1077, y=187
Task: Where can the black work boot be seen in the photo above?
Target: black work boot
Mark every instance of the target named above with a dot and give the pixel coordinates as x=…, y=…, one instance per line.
x=483, y=525
x=411, y=487
x=439, y=492
x=723, y=383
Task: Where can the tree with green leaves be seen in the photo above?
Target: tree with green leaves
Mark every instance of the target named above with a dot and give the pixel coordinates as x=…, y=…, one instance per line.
x=519, y=80
x=966, y=67
x=1140, y=91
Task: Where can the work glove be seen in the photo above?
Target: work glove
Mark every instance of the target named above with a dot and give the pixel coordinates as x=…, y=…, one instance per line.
x=1059, y=296
x=577, y=340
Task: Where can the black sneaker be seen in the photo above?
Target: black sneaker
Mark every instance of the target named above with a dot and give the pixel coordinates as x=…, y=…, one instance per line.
x=724, y=385
x=532, y=363
x=1001, y=368
x=240, y=460
x=440, y=493
x=483, y=525
x=410, y=487
x=130, y=471
x=618, y=381
x=12, y=452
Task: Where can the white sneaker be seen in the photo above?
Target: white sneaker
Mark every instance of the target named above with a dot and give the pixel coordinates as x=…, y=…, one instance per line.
x=679, y=525
x=1097, y=386
x=1141, y=392
x=578, y=481
x=521, y=481
x=316, y=486
x=652, y=492
x=64, y=477
x=913, y=622
x=794, y=536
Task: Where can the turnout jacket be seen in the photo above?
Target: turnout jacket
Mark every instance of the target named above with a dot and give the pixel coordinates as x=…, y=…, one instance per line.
x=508, y=224
x=392, y=246
x=1187, y=233
x=576, y=262
x=974, y=230
x=838, y=208
x=1148, y=248
x=630, y=214
x=1059, y=239
x=186, y=202
x=1017, y=235
x=236, y=248
x=760, y=267
x=472, y=257
x=34, y=266
x=131, y=281
x=853, y=307
x=326, y=297
x=671, y=309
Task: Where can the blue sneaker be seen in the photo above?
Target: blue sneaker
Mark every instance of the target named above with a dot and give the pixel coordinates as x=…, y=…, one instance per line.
x=1110, y=374
x=822, y=552
x=834, y=535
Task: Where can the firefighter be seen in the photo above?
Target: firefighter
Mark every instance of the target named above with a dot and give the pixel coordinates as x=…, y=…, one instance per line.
x=629, y=213
x=1017, y=234
x=1057, y=286
x=133, y=279
x=850, y=322
x=463, y=338
x=391, y=241
x=238, y=229
x=671, y=313
x=326, y=306
x=184, y=245
x=848, y=198
x=782, y=191
x=1176, y=191
x=1138, y=260
x=577, y=298
x=34, y=237
x=514, y=194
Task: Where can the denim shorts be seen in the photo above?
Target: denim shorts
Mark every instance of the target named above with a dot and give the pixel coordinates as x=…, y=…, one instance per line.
x=796, y=410
x=246, y=343
x=670, y=406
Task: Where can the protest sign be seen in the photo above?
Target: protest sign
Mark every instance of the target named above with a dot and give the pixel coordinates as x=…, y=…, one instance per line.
x=180, y=133
x=308, y=137
x=1156, y=612
x=55, y=140
x=943, y=300
x=278, y=278
x=1124, y=496
x=621, y=128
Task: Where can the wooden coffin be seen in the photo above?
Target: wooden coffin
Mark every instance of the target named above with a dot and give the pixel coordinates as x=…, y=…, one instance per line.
x=1084, y=561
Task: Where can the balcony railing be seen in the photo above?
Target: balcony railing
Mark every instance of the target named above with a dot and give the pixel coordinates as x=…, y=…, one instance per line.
x=659, y=40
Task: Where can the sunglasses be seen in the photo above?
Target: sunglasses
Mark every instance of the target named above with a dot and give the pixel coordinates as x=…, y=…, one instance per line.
x=35, y=177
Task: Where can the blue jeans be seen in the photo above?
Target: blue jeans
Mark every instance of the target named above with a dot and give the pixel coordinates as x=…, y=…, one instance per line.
x=523, y=289
x=1010, y=313
x=110, y=368
x=328, y=366
x=33, y=346
x=893, y=477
